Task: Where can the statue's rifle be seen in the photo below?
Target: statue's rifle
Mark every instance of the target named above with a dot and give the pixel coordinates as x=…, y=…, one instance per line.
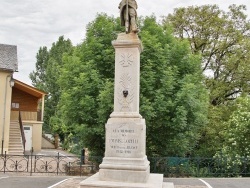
x=127, y=19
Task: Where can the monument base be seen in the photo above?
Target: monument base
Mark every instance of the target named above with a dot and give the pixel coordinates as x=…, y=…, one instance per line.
x=125, y=159
x=154, y=181
x=124, y=175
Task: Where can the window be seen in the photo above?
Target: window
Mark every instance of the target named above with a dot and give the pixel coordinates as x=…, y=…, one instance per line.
x=15, y=105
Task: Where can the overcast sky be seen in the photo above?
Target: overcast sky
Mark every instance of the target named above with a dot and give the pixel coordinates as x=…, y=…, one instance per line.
x=30, y=24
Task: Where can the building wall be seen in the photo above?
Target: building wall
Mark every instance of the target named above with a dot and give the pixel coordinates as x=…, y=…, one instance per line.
x=5, y=104
x=31, y=116
x=36, y=134
x=25, y=101
x=46, y=144
x=28, y=105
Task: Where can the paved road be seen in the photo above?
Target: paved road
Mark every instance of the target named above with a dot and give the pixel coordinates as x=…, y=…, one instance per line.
x=185, y=181
x=212, y=182
x=48, y=182
x=29, y=182
x=228, y=182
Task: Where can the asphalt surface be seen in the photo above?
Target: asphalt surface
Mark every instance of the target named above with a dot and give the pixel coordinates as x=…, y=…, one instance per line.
x=29, y=182
x=185, y=181
x=228, y=182
x=212, y=182
x=60, y=181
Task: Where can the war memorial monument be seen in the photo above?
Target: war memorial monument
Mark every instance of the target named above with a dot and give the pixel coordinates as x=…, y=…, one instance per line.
x=125, y=163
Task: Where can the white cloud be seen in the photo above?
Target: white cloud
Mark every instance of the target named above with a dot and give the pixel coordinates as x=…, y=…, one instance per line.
x=30, y=24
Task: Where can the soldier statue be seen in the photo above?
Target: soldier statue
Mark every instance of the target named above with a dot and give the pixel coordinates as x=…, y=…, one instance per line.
x=128, y=15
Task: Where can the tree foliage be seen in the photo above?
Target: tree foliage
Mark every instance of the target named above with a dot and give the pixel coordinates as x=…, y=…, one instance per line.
x=235, y=150
x=47, y=74
x=222, y=38
x=38, y=77
x=173, y=98
x=238, y=128
x=87, y=85
x=190, y=43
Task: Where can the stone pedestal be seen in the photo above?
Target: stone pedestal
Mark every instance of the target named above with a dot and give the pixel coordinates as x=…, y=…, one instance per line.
x=125, y=163
x=154, y=181
x=125, y=158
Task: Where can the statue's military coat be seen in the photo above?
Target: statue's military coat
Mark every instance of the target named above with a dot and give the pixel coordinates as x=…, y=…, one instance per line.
x=122, y=7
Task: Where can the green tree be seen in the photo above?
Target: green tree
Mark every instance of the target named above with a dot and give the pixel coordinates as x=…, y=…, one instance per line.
x=222, y=38
x=46, y=76
x=173, y=98
x=238, y=128
x=87, y=85
x=53, y=73
x=235, y=151
x=38, y=77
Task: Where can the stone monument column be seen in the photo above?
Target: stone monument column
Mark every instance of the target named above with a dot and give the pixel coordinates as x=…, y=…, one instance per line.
x=127, y=76
x=125, y=153
x=125, y=163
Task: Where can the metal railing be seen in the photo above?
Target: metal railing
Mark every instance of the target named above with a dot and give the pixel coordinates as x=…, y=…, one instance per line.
x=43, y=164
x=22, y=131
x=201, y=167
x=169, y=166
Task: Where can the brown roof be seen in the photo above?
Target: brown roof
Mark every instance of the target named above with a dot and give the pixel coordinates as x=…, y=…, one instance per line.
x=29, y=89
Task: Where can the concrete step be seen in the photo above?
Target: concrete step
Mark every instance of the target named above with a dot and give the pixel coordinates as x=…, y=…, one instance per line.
x=15, y=140
x=14, y=143
x=167, y=185
x=15, y=153
x=15, y=133
x=16, y=146
x=16, y=150
x=14, y=129
x=15, y=136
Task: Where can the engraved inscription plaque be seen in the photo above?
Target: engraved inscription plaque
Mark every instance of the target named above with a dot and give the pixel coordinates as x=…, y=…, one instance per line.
x=125, y=140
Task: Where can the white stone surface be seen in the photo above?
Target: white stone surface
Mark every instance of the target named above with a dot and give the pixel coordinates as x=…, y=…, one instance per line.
x=125, y=151
x=125, y=163
x=125, y=138
x=127, y=75
x=154, y=181
x=168, y=185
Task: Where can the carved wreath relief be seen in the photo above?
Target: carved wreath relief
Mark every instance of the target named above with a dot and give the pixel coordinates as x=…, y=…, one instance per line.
x=126, y=86
x=126, y=59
